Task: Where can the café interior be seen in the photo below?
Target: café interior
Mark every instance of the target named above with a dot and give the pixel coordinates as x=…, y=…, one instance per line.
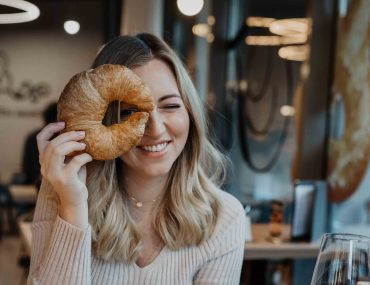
x=285, y=85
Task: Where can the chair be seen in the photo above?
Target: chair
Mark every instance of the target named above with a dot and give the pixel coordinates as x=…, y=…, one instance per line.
x=310, y=210
x=6, y=211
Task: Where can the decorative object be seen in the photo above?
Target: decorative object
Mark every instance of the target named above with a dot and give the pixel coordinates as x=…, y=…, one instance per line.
x=249, y=132
x=286, y=38
x=276, y=221
x=349, y=144
x=27, y=91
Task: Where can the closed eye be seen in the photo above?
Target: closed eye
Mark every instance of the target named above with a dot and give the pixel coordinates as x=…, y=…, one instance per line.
x=172, y=106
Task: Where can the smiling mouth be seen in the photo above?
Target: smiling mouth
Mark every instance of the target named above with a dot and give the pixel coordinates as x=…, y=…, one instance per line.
x=155, y=148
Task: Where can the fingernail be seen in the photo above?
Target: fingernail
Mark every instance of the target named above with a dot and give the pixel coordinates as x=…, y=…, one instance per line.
x=80, y=133
x=83, y=144
x=61, y=124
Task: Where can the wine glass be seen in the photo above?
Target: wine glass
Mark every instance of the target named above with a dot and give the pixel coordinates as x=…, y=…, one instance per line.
x=343, y=260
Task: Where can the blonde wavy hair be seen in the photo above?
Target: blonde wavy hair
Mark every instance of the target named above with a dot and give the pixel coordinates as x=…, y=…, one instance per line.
x=190, y=208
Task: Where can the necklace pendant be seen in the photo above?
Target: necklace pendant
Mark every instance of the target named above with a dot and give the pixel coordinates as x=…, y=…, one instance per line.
x=139, y=204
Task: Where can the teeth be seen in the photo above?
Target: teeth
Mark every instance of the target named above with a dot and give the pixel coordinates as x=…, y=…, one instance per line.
x=155, y=148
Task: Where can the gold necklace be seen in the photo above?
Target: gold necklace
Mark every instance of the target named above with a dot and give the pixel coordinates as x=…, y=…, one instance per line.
x=139, y=204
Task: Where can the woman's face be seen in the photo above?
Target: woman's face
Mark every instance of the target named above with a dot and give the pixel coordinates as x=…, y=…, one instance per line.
x=167, y=129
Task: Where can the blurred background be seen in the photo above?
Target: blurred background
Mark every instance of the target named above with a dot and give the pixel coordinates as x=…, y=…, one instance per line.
x=284, y=83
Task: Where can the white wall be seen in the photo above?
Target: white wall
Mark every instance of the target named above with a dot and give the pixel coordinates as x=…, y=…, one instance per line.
x=142, y=16
x=37, y=56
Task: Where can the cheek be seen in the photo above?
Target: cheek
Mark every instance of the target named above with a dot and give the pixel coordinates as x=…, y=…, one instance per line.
x=180, y=125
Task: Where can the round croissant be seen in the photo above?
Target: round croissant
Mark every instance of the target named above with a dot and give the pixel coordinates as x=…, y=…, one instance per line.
x=85, y=99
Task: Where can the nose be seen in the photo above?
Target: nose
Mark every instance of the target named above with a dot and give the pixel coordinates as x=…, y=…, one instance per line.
x=155, y=126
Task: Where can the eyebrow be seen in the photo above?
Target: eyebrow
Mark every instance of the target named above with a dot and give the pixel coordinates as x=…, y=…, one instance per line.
x=169, y=96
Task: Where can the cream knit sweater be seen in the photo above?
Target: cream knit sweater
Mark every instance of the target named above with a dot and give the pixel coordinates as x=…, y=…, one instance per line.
x=61, y=253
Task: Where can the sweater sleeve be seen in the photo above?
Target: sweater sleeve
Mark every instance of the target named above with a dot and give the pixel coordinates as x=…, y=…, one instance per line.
x=226, y=248
x=61, y=252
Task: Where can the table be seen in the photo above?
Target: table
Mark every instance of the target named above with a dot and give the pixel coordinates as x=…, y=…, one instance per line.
x=266, y=250
x=23, y=193
x=261, y=248
x=16, y=200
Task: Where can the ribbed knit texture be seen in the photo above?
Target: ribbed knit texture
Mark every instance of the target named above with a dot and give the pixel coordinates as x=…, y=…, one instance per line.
x=61, y=253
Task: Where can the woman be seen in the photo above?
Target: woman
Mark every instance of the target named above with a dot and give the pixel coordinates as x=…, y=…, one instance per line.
x=155, y=215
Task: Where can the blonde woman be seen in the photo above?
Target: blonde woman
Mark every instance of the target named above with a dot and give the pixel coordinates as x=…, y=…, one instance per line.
x=156, y=214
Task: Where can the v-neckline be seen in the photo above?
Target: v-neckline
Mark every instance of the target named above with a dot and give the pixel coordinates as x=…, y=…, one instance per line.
x=153, y=263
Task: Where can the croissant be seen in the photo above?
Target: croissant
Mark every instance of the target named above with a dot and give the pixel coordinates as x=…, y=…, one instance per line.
x=85, y=99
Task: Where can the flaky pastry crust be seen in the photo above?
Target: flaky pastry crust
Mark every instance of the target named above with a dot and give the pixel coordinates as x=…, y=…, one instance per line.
x=84, y=102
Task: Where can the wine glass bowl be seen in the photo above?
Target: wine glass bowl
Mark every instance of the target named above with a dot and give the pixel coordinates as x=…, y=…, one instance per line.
x=343, y=260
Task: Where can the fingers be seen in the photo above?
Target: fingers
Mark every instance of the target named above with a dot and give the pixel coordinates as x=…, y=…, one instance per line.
x=78, y=161
x=56, y=148
x=53, y=145
x=66, y=148
x=54, y=158
x=68, y=136
x=46, y=133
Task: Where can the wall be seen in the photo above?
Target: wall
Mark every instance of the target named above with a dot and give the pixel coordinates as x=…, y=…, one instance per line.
x=40, y=52
x=142, y=16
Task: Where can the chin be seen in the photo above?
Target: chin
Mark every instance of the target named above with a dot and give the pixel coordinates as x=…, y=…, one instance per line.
x=155, y=172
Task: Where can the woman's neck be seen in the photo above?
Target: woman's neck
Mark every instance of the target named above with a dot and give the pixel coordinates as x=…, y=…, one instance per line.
x=144, y=189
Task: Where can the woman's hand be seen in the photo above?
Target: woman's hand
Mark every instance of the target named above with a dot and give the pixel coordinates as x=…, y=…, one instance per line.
x=67, y=176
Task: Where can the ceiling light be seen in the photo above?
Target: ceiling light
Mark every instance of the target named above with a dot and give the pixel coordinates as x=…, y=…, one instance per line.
x=204, y=31
x=201, y=30
x=210, y=37
x=287, y=111
x=71, y=27
x=211, y=20
x=296, y=53
x=274, y=40
x=262, y=22
x=190, y=7
x=290, y=27
x=243, y=85
x=31, y=12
